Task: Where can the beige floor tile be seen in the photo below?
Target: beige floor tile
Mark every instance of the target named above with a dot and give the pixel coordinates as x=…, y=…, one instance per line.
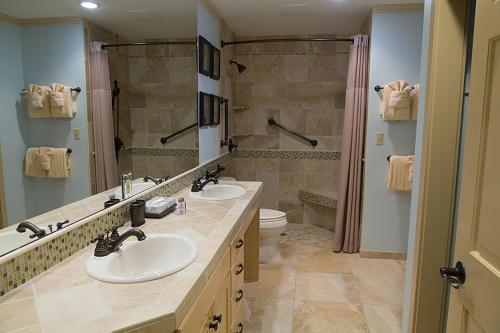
x=383, y=319
x=381, y=288
x=288, y=258
x=325, y=262
x=273, y=284
x=269, y=316
x=326, y=287
x=323, y=317
x=366, y=266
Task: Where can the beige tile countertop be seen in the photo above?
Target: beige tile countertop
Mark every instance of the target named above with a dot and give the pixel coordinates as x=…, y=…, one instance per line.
x=66, y=299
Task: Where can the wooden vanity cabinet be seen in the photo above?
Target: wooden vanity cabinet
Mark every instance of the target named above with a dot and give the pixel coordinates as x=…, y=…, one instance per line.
x=217, y=309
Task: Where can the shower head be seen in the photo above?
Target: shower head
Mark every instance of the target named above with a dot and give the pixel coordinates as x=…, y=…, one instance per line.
x=241, y=68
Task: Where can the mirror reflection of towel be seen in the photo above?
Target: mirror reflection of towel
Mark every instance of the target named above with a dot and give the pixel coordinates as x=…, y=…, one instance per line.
x=59, y=163
x=38, y=101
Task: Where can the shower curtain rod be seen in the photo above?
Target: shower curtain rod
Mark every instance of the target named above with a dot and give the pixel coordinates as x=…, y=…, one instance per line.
x=105, y=46
x=272, y=40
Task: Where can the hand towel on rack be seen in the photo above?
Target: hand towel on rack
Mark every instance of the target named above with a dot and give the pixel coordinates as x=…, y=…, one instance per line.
x=31, y=164
x=62, y=103
x=411, y=163
x=60, y=164
x=37, y=98
x=396, y=101
x=398, y=176
x=43, y=158
x=414, y=101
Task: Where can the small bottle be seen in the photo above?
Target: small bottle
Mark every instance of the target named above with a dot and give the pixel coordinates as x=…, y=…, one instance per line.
x=181, y=206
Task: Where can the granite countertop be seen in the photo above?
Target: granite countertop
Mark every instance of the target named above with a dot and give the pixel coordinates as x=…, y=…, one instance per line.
x=66, y=299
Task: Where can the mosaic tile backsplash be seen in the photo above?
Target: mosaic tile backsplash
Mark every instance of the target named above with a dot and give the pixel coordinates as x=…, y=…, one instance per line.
x=24, y=267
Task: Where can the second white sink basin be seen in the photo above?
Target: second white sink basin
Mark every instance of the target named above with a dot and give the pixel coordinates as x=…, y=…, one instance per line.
x=219, y=192
x=137, y=187
x=155, y=257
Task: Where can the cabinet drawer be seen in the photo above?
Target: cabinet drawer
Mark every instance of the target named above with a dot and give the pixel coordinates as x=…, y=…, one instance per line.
x=238, y=325
x=195, y=320
x=237, y=298
x=238, y=244
x=238, y=272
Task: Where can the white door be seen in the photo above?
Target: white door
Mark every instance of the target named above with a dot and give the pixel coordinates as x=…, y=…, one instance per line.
x=475, y=305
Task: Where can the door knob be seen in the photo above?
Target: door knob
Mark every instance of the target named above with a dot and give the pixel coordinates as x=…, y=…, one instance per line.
x=455, y=276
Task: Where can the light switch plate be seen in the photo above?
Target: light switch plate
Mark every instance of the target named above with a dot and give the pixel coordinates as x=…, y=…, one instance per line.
x=379, y=138
x=76, y=133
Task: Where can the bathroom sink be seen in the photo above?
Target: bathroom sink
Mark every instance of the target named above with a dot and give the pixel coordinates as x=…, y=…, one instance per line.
x=155, y=257
x=219, y=192
x=137, y=187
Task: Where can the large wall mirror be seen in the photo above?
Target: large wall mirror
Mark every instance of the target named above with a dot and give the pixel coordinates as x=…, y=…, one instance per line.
x=88, y=97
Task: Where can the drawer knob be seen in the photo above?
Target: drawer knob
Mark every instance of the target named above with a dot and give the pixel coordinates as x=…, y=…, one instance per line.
x=240, y=326
x=218, y=318
x=213, y=325
x=239, y=243
x=240, y=270
x=239, y=295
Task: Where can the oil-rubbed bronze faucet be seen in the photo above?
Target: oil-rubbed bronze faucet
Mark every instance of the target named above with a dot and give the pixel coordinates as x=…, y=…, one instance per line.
x=109, y=244
x=198, y=185
x=37, y=232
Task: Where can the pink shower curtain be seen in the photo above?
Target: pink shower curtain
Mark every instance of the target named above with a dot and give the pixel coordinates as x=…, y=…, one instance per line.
x=348, y=220
x=100, y=95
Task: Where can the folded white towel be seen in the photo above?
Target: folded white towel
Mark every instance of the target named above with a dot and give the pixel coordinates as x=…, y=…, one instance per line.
x=32, y=166
x=396, y=101
x=38, y=101
x=62, y=102
x=60, y=164
x=399, y=173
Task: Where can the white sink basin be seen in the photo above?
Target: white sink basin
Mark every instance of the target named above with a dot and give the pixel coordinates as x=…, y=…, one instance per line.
x=137, y=187
x=155, y=257
x=219, y=192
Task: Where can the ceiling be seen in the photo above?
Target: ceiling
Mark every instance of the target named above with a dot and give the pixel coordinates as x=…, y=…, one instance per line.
x=299, y=17
x=132, y=19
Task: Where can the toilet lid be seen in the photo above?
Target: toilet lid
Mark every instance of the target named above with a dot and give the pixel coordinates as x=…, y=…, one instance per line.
x=271, y=214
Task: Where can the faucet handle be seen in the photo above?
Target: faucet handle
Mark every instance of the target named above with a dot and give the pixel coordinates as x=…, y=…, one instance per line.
x=98, y=238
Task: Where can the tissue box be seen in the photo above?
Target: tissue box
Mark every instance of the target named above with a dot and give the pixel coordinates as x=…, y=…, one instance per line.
x=159, y=207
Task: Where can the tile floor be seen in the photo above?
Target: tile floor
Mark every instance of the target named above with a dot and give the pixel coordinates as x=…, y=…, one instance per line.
x=312, y=290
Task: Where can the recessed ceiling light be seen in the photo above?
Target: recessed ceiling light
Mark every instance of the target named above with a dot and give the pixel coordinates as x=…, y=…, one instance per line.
x=89, y=4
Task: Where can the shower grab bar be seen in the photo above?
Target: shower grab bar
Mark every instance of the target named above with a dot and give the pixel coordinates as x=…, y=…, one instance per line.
x=166, y=138
x=273, y=122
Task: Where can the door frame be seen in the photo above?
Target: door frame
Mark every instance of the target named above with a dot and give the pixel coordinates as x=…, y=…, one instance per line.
x=439, y=163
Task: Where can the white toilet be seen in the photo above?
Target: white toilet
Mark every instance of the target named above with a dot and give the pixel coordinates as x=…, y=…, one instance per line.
x=272, y=224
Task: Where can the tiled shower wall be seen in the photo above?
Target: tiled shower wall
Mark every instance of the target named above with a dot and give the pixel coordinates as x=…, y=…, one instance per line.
x=301, y=85
x=163, y=95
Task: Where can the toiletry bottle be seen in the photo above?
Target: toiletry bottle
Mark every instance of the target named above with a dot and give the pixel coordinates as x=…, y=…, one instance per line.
x=181, y=206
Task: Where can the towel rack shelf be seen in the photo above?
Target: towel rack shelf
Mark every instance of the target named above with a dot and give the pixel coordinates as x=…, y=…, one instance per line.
x=75, y=89
x=273, y=122
x=378, y=88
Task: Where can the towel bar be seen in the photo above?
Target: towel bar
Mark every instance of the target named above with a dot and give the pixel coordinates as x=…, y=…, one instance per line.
x=378, y=88
x=69, y=151
x=76, y=89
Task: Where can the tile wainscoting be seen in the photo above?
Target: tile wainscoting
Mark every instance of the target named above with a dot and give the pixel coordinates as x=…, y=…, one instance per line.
x=287, y=172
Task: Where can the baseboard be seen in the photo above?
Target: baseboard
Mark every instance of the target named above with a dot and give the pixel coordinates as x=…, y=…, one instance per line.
x=382, y=255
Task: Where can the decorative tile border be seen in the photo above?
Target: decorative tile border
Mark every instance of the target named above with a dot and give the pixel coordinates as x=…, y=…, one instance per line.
x=29, y=264
x=318, y=198
x=150, y=151
x=288, y=154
